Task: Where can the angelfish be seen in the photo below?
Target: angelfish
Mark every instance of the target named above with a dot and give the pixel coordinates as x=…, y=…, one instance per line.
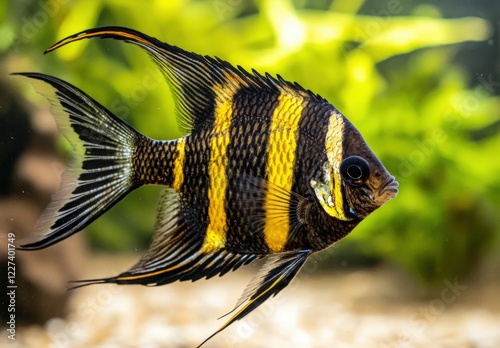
x=267, y=169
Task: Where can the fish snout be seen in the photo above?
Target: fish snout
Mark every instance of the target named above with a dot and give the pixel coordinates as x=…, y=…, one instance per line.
x=389, y=188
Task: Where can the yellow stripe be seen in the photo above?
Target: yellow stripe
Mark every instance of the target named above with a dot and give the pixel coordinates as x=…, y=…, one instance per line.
x=333, y=145
x=179, y=164
x=280, y=165
x=215, y=238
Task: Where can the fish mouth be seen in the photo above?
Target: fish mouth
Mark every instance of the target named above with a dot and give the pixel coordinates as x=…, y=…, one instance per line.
x=389, y=188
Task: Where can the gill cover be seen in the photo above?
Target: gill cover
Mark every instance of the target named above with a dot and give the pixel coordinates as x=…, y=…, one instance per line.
x=327, y=183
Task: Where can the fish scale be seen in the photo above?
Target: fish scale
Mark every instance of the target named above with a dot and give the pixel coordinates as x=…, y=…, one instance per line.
x=267, y=169
x=154, y=161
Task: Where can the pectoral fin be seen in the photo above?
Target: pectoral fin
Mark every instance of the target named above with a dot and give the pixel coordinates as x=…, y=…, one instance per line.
x=282, y=213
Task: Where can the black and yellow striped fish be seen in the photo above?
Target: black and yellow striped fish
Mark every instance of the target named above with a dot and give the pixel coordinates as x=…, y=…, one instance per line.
x=267, y=168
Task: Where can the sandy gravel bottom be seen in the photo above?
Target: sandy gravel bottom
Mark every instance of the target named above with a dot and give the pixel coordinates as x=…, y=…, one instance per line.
x=356, y=308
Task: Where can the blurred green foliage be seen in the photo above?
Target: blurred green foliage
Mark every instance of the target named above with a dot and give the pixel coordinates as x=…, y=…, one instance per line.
x=434, y=126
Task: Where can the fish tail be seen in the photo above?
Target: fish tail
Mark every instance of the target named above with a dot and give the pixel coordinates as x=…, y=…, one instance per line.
x=101, y=172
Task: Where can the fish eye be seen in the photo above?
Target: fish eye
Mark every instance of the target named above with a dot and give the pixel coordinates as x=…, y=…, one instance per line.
x=355, y=170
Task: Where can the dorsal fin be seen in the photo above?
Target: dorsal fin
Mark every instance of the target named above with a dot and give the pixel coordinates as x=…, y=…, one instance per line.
x=196, y=80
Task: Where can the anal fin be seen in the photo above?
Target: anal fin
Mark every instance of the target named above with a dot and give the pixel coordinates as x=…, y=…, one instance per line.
x=176, y=252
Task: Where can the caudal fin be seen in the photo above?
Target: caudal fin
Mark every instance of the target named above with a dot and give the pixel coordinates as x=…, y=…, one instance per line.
x=101, y=172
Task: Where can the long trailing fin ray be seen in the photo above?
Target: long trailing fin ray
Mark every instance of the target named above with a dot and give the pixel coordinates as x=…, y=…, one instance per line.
x=279, y=266
x=102, y=143
x=274, y=276
x=196, y=80
x=176, y=252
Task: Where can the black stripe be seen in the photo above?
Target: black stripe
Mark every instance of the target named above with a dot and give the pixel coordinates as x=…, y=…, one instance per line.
x=309, y=155
x=249, y=134
x=194, y=190
x=351, y=139
x=154, y=161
